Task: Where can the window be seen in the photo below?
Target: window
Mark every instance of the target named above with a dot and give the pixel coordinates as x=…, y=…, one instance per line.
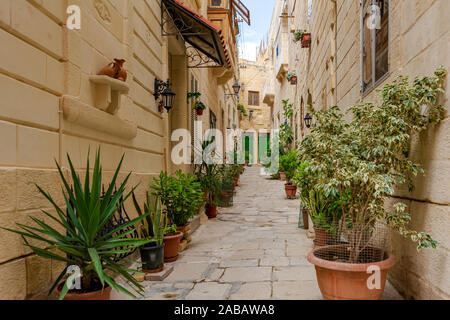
x=253, y=98
x=216, y=3
x=375, y=42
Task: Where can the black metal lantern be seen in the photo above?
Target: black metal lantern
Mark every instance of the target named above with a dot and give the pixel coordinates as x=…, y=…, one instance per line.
x=163, y=89
x=236, y=88
x=308, y=120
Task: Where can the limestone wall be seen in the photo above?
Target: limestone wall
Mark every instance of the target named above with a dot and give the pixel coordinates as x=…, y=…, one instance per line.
x=331, y=71
x=50, y=107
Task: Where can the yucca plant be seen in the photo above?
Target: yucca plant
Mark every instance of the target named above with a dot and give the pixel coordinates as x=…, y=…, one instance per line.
x=155, y=222
x=81, y=244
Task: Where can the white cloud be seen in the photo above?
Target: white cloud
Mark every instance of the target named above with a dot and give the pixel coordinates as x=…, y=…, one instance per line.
x=248, y=50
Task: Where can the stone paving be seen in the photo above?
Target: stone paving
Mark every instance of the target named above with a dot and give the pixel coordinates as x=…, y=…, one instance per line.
x=251, y=251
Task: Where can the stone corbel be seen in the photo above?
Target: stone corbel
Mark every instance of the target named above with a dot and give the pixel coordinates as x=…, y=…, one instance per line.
x=87, y=116
x=108, y=92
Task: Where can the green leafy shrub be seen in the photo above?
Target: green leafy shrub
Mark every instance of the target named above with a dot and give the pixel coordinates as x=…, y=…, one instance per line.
x=364, y=158
x=289, y=163
x=82, y=243
x=181, y=195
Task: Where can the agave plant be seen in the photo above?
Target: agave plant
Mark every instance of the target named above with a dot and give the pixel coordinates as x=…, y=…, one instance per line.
x=83, y=243
x=155, y=222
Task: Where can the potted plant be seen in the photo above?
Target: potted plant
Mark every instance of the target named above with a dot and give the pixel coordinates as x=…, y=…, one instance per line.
x=227, y=188
x=199, y=107
x=242, y=109
x=84, y=244
x=288, y=165
x=182, y=196
x=298, y=35
x=209, y=176
x=292, y=78
x=152, y=228
x=362, y=160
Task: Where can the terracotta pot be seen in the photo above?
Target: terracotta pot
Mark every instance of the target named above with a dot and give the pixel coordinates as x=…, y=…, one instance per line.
x=171, y=247
x=283, y=176
x=95, y=295
x=323, y=237
x=152, y=258
x=305, y=215
x=236, y=181
x=211, y=211
x=294, y=80
x=115, y=70
x=306, y=40
x=291, y=190
x=347, y=281
x=199, y=111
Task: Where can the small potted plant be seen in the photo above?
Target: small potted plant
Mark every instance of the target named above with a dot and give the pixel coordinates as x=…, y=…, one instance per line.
x=242, y=109
x=227, y=189
x=360, y=161
x=84, y=244
x=182, y=196
x=288, y=164
x=209, y=176
x=292, y=78
x=152, y=228
x=298, y=35
x=199, y=106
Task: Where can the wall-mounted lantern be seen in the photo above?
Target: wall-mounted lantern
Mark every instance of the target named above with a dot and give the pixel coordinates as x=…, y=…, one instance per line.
x=168, y=96
x=236, y=88
x=309, y=121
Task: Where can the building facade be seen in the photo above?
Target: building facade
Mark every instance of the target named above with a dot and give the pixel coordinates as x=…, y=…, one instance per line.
x=54, y=104
x=346, y=62
x=256, y=123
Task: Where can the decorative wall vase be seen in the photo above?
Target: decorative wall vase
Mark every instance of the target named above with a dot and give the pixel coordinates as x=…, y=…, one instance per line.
x=115, y=70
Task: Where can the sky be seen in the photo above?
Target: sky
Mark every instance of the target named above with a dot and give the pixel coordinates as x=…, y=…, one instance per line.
x=251, y=36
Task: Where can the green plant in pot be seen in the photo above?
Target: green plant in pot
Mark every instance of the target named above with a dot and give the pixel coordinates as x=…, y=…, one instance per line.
x=182, y=196
x=76, y=236
x=288, y=165
x=209, y=177
x=227, y=188
x=152, y=228
x=298, y=35
x=360, y=161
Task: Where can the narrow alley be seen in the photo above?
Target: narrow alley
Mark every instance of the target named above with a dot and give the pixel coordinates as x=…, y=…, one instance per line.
x=251, y=251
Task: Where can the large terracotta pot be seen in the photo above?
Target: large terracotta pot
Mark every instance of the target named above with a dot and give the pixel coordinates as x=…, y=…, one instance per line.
x=172, y=242
x=282, y=176
x=322, y=237
x=95, y=295
x=211, y=211
x=347, y=281
x=291, y=190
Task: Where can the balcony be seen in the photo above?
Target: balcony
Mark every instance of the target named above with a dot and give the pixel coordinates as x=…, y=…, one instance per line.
x=268, y=92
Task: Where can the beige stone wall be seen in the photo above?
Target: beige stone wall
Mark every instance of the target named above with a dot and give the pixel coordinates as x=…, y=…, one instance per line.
x=330, y=71
x=253, y=77
x=50, y=107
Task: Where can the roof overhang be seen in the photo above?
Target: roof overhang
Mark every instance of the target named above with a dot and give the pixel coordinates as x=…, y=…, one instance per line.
x=205, y=45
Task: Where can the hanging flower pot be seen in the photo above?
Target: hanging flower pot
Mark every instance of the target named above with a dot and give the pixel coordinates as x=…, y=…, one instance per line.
x=199, y=107
x=294, y=80
x=306, y=40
